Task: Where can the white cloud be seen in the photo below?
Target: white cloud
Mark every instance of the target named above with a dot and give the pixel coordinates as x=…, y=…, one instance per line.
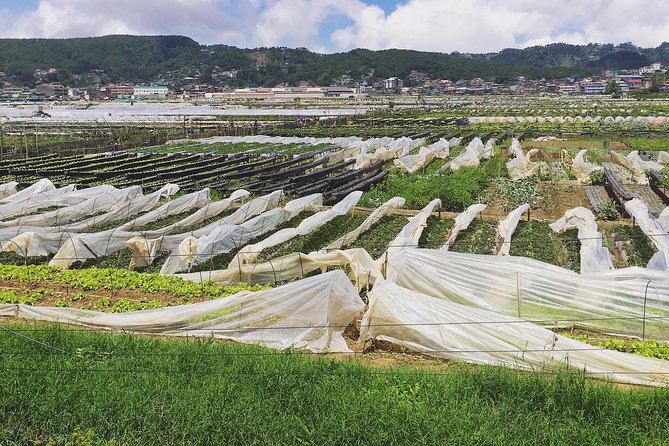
x=201, y=19
x=491, y=25
x=434, y=25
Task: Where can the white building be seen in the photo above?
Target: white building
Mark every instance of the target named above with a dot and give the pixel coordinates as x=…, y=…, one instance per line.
x=650, y=69
x=152, y=91
x=392, y=83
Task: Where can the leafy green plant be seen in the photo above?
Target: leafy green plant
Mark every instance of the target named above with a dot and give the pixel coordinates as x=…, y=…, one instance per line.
x=608, y=210
x=598, y=177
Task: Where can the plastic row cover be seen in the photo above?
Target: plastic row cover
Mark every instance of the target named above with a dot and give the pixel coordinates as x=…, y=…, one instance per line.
x=37, y=241
x=308, y=314
x=203, y=245
x=140, y=203
x=103, y=202
x=8, y=189
x=635, y=165
x=363, y=269
x=507, y=227
x=472, y=155
x=385, y=209
x=582, y=169
x=522, y=166
x=413, y=163
x=595, y=258
x=249, y=253
x=411, y=232
x=453, y=331
x=462, y=221
x=40, y=187
x=655, y=232
x=612, y=301
x=81, y=247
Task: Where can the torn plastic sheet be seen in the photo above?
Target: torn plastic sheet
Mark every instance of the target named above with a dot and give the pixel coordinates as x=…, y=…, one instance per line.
x=307, y=314
x=582, y=169
x=611, y=301
x=249, y=253
x=386, y=208
x=522, y=166
x=462, y=222
x=635, y=165
x=507, y=227
x=594, y=256
x=224, y=236
x=363, y=269
x=453, y=331
x=655, y=232
x=515, y=150
x=8, y=189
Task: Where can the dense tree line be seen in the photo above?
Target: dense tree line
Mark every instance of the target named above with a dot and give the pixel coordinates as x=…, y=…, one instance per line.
x=171, y=58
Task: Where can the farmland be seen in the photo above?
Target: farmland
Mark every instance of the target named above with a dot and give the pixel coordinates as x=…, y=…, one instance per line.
x=296, y=240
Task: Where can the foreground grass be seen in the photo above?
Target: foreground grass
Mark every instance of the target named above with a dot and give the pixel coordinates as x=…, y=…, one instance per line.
x=123, y=389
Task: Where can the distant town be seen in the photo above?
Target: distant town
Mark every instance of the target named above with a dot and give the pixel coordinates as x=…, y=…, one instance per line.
x=649, y=78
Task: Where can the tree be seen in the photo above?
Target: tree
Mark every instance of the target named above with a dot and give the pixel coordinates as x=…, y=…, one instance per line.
x=656, y=82
x=612, y=87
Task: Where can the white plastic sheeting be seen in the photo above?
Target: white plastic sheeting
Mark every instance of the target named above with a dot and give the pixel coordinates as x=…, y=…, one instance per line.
x=656, y=233
x=612, y=301
x=249, y=253
x=363, y=269
x=39, y=187
x=104, y=202
x=462, y=222
x=507, y=227
x=385, y=209
x=635, y=165
x=308, y=314
x=663, y=157
x=515, y=150
x=472, y=156
x=381, y=154
x=134, y=206
x=581, y=169
x=449, y=330
x=81, y=247
x=594, y=257
x=8, y=189
x=184, y=203
x=411, y=232
x=522, y=166
x=426, y=154
x=211, y=241
x=146, y=245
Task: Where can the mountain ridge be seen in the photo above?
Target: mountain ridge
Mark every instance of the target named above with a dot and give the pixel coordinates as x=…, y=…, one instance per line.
x=178, y=59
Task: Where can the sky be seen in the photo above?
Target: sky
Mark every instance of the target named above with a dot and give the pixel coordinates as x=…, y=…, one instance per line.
x=326, y=26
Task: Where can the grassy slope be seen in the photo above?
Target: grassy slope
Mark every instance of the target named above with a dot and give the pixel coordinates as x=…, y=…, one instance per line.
x=141, y=391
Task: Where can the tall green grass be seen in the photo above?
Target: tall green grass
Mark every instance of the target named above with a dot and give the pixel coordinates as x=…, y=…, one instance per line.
x=124, y=389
